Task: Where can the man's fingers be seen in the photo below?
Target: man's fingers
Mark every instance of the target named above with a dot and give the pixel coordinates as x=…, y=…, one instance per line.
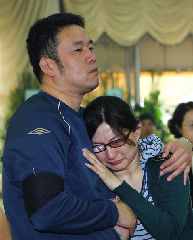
x=179, y=156
x=178, y=170
x=180, y=164
x=186, y=172
x=169, y=147
x=168, y=163
x=172, y=160
x=176, y=173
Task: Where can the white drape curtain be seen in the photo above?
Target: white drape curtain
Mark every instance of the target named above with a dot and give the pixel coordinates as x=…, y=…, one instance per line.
x=126, y=21
x=16, y=16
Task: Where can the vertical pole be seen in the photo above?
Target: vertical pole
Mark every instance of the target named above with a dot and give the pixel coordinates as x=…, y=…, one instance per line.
x=137, y=69
x=127, y=70
x=62, y=6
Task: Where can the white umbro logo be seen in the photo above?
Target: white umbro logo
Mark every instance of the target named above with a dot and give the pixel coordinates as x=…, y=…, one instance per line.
x=39, y=131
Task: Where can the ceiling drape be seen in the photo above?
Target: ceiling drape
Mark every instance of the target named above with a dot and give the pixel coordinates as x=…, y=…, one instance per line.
x=126, y=21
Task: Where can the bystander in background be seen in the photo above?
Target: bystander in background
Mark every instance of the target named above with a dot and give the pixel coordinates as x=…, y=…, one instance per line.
x=148, y=125
x=181, y=125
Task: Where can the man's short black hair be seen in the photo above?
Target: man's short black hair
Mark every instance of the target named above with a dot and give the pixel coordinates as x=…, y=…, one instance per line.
x=42, y=38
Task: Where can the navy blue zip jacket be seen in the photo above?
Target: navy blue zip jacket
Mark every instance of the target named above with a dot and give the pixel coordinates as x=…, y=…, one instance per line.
x=48, y=191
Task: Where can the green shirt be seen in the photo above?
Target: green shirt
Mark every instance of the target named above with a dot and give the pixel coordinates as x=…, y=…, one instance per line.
x=171, y=218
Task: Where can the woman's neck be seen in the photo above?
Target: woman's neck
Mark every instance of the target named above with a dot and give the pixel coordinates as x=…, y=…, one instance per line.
x=133, y=175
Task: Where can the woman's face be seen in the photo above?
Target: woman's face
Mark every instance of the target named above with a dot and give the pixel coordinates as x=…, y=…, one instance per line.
x=187, y=126
x=119, y=158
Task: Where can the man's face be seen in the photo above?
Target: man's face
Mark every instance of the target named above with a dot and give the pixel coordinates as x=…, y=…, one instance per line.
x=147, y=128
x=80, y=73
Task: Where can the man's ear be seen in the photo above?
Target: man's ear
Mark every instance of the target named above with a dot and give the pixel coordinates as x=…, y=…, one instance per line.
x=47, y=66
x=138, y=130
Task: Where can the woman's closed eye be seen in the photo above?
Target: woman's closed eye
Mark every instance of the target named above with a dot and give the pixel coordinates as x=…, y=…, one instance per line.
x=116, y=141
x=78, y=49
x=99, y=147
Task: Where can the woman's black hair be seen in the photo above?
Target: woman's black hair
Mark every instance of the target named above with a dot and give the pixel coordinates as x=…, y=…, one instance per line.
x=113, y=111
x=178, y=117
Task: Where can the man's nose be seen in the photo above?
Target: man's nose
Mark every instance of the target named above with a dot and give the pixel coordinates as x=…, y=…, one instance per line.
x=90, y=56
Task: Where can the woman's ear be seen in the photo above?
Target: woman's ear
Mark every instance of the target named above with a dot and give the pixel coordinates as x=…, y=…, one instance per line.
x=178, y=129
x=47, y=66
x=138, y=131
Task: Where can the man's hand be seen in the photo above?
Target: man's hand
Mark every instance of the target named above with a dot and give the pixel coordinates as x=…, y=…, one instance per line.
x=127, y=218
x=181, y=159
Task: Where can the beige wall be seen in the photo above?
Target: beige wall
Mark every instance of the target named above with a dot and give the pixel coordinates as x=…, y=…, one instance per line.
x=157, y=56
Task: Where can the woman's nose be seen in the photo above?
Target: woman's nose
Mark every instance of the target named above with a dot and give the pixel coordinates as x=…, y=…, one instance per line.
x=111, y=152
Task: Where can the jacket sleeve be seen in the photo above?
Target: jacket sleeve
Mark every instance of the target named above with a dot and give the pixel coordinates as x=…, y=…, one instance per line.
x=166, y=219
x=45, y=156
x=70, y=215
x=66, y=211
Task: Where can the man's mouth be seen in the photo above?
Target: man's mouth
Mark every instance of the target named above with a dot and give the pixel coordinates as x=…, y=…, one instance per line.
x=94, y=70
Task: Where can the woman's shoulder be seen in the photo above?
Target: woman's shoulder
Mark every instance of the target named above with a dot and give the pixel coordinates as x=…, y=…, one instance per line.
x=158, y=159
x=153, y=164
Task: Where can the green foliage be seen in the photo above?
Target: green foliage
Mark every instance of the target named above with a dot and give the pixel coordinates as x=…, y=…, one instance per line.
x=155, y=108
x=25, y=81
